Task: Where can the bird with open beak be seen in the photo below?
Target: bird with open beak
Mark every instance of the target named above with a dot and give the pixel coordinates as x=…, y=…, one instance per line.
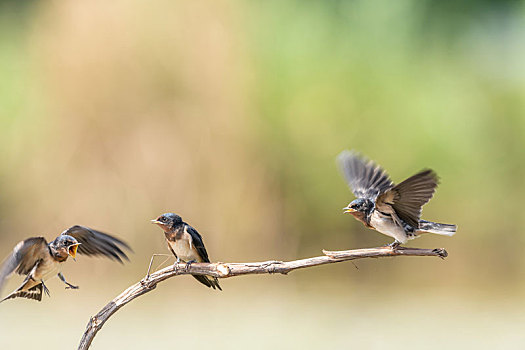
x=186, y=244
x=393, y=210
x=40, y=260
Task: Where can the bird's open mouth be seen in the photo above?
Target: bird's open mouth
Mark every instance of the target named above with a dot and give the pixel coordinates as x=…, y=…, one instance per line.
x=157, y=222
x=72, y=250
x=348, y=210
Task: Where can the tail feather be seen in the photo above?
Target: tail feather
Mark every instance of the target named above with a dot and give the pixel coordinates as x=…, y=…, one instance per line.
x=34, y=293
x=437, y=228
x=208, y=281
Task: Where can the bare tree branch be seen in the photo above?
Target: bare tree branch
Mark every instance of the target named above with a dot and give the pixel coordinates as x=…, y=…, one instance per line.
x=225, y=270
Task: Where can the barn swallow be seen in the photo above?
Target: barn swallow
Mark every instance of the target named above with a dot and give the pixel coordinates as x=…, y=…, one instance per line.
x=393, y=210
x=186, y=244
x=40, y=260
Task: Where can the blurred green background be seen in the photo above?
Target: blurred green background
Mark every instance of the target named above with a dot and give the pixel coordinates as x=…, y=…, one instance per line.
x=231, y=113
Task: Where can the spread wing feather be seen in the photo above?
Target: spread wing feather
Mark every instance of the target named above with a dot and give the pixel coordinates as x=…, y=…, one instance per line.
x=98, y=243
x=408, y=197
x=365, y=178
x=24, y=257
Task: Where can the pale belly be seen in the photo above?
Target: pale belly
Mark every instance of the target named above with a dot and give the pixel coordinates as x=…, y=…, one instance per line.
x=385, y=225
x=47, y=270
x=184, y=251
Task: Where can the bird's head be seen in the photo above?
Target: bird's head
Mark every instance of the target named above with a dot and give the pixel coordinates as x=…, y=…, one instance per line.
x=168, y=221
x=359, y=206
x=64, y=246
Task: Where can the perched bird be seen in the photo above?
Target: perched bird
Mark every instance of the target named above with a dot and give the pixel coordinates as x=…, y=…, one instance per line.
x=393, y=210
x=186, y=244
x=40, y=260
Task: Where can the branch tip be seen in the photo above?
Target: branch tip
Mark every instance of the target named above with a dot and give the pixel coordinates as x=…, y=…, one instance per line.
x=441, y=252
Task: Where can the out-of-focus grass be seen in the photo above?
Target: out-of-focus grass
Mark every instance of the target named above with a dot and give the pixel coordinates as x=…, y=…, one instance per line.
x=283, y=316
x=371, y=76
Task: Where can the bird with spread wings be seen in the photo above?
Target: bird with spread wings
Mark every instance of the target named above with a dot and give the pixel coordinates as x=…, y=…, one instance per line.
x=393, y=210
x=39, y=260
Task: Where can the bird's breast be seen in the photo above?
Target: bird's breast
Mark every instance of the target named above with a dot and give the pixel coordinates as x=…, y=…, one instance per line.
x=385, y=224
x=183, y=249
x=47, y=269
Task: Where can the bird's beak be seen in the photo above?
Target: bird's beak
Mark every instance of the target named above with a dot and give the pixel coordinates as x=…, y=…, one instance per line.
x=72, y=250
x=348, y=210
x=157, y=222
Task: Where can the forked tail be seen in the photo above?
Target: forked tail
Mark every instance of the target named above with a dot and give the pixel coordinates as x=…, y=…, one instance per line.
x=208, y=281
x=434, y=227
x=34, y=293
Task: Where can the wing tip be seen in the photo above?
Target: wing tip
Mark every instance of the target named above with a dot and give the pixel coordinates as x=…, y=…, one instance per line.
x=350, y=154
x=431, y=172
x=99, y=243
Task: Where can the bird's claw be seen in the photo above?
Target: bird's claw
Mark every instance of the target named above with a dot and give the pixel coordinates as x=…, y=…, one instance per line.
x=394, y=245
x=176, y=266
x=188, y=264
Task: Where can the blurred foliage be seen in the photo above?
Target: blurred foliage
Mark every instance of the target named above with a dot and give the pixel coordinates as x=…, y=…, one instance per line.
x=243, y=110
x=374, y=81
x=231, y=114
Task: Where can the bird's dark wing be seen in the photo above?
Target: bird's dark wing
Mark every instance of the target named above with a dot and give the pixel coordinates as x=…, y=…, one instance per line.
x=409, y=196
x=24, y=257
x=198, y=243
x=365, y=178
x=98, y=243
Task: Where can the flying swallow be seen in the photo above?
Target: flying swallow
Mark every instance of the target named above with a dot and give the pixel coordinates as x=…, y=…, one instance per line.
x=186, y=244
x=40, y=260
x=393, y=210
